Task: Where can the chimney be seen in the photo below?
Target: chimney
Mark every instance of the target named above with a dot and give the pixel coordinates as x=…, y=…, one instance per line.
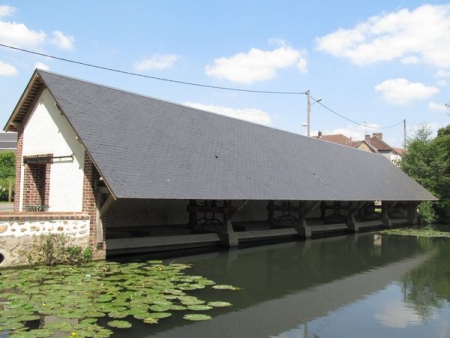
x=319, y=134
x=379, y=135
x=367, y=138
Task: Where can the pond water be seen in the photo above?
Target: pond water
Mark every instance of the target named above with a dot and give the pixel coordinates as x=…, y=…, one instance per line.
x=363, y=285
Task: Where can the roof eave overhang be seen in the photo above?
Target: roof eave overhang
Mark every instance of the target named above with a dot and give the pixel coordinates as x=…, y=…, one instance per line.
x=27, y=99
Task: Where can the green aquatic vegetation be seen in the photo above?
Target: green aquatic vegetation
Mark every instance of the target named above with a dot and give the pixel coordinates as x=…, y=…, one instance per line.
x=108, y=293
x=225, y=287
x=199, y=307
x=120, y=324
x=53, y=249
x=197, y=317
x=219, y=304
x=427, y=231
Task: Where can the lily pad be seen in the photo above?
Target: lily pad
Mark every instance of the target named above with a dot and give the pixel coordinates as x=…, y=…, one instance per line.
x=225, y=287
x=159, y=315
x=199, y=307
x=160, y=308
x=42, y=333
x=190, y=300
x=117, y=314
x=150, y=320
x=196, y=317
x=219, y=304
x=177, y=308
x=120, y=324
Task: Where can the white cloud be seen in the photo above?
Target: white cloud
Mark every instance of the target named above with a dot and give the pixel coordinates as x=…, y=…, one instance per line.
x=256, y=64
x=7, y=69
x=439, y=107
x=420, y=35
x=6, y=10
x=443, y=73
x=62, y=41
x=411, y=60
x=401, y=91
x=396, y=314
x=18, y=35
x=157, y=62
x=246, y=114
x=40, y=65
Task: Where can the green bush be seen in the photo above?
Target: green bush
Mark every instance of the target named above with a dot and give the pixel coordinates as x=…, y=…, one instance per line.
x=7, y=173
x=427, y=214
x=53, y=249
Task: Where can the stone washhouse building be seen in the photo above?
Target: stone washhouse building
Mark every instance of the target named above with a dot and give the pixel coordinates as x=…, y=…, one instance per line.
x=125, y=173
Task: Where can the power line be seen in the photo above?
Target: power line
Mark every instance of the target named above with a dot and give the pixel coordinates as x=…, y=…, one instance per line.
x=153, y=77
x=354, y=122
x=193, y=83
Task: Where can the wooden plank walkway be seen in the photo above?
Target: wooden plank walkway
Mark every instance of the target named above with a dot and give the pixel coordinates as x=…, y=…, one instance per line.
x=370, y=224
x=399, y=221
x=148, y=244
x=269, y=233
x=324, y=228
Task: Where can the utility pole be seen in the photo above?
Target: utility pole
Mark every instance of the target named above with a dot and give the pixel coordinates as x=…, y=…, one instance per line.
x=308, y=112
x=404, y=134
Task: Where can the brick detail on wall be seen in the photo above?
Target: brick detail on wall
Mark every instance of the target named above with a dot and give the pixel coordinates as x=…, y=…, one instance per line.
x=91, y=178
x=36, y=182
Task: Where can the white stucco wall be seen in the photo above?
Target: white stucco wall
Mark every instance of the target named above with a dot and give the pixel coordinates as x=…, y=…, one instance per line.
x=47, y=131
x=393, y=157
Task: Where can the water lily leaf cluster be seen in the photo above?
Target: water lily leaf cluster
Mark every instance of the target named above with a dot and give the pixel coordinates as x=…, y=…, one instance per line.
x=95, y=299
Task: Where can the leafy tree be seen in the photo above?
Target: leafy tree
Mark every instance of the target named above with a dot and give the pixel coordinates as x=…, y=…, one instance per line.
x=7, y=172
x=427, y=160
x=440, y=148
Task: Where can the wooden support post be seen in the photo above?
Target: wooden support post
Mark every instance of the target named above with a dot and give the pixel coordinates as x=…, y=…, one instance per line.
x=323, y=210
x=311, y=207
x=411, y=213
x=391, y=206
x=270, y=213
x=102, y=209
x=227, y=236
x=99, y=222
x=302, y=227
x=192, y=213
x=384, y=215
x=352, y=224
x=237, y=208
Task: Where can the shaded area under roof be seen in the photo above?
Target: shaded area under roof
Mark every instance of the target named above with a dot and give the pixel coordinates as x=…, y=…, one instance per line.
x=151, y=149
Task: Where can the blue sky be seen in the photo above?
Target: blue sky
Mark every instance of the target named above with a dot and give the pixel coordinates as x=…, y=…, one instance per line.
x=375, y=63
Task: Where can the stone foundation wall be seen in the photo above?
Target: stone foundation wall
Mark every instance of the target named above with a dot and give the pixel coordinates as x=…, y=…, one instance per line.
x=19, y=230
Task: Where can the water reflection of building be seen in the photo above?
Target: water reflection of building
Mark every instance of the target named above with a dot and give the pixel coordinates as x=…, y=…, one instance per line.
x=290, y=284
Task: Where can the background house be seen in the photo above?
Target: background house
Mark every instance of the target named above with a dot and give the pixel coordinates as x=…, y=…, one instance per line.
x=392, y=154
x=8, y=141
x=346, y=141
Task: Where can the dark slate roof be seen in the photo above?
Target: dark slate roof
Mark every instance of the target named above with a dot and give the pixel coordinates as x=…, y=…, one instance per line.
x=151, y=149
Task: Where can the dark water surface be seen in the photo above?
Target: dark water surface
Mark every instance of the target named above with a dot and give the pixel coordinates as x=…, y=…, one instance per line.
x=362, y=285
